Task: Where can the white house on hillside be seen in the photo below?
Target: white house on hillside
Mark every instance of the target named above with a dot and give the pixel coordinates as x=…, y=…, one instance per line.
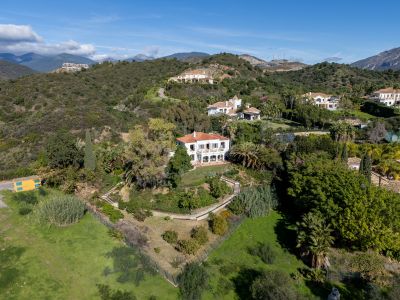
x=205, y=147
x=225, y=107
x=322, y=100
x=387, y=96
x=194, y=76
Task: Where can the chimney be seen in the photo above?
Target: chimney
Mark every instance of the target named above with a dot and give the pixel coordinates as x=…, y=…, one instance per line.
x=194, y=133
x=226, y=103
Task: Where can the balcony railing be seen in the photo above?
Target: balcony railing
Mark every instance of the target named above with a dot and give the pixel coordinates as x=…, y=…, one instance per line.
x=212, y=150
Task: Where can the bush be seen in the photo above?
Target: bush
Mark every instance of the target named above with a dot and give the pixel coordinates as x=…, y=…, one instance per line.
x=254, y=202
x=170, y=236
x=112, y=213
x=218, y=188
x=188, y=246
x=157, y=250
x=218, y=224
x=106, y=293
x=24, y=210
x=116, y=234
x=29, y=197
x=200, y=234
x=192, y=281
x=265, y=252
x=60, y=210
x=273, y=285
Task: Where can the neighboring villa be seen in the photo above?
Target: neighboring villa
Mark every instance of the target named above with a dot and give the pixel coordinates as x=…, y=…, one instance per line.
x=194, y=76
x=322, y=100
x=231, y=109
x=71, y=68
x=205, y=148
x=387, y=96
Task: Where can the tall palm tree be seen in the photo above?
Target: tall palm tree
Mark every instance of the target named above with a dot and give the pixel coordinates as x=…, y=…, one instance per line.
x=246, y=154
x=314, y=238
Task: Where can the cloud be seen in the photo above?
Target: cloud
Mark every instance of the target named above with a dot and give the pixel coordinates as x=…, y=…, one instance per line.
x=18, y=33
x=332, y=59
x=22, y=39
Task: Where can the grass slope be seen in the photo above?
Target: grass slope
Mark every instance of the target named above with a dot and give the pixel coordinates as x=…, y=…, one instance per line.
x=233, y=256
x=61, y=263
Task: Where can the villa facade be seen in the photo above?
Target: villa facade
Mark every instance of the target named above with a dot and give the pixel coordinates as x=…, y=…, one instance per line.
x=387, y=96
x=323, y=100
x=229, y=107
x=194, y=76
x=204, y=148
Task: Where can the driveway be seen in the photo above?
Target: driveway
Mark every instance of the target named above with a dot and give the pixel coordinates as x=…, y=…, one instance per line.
x=5, y=185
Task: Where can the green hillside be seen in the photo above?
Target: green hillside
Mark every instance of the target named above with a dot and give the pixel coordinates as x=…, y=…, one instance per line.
x=10, y=70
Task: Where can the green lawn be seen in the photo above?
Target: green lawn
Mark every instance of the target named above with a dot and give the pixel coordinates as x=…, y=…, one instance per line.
x=39, y=262
x=232, y=257
x=198, y=176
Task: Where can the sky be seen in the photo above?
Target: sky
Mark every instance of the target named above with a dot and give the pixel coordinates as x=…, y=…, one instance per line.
x=305, y=30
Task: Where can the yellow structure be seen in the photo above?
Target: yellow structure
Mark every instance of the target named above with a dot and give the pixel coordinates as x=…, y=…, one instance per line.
x=26, y=184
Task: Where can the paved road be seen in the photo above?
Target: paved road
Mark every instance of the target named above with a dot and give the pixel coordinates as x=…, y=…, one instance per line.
x=5, y=185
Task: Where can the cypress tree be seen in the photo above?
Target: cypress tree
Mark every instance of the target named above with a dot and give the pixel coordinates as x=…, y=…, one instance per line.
x=90, y=157
x=345, y=155
x=366, y=167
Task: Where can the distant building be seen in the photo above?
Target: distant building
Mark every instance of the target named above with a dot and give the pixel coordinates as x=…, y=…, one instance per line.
x=205, y=148
x=251, y=114
x=322, y=100
x=229, y=107
x=387, y=96
x=71, y=68
x=194, y=76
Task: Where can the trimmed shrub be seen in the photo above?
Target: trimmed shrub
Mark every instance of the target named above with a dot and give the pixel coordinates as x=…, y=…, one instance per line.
x=170, y=236
x=188, y=246
x=218, y=224
x=112, y=213
x=192, y=281
x=60, y=210
x=200, y=234
x=265, y=252
x=24, y=210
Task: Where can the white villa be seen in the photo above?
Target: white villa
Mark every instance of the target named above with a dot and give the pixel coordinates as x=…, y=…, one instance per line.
x=205, y=148
x=194, y=76
x=225, y=107
x=72, y=67
x=231, y=107
x=387, y=96
x=322, y=100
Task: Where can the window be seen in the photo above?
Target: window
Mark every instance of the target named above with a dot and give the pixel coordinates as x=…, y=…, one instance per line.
x=19, y=189
x=201, y=146
x=215, y=145
x=19, y=183
x=223, y=145
x=192, y=147
x=192, y=157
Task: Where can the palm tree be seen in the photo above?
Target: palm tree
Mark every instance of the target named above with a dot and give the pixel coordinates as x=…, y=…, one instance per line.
x=246, y=154
x=314, y=238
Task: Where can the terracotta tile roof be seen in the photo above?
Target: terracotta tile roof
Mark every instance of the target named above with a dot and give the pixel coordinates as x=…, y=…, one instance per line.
x=388, y=90
x=222, y=104
x=252, y=110
x=200, y=136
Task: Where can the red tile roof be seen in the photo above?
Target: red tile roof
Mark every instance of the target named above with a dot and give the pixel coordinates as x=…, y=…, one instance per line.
x=200, y=136
x=388, y=90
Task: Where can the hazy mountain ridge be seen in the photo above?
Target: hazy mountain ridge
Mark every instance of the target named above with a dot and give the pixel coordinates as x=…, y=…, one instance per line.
x=277, y=65
x=385, y=60
x=44, y=63
x=9, y=70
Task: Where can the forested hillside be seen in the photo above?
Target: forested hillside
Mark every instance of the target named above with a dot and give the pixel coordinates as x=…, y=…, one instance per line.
x=120, y=95
x=11, y=71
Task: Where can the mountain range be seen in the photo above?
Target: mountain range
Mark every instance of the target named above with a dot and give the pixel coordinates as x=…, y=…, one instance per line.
x=9, y=70
x=386, y=60
x=44, y=63
x=276, y=65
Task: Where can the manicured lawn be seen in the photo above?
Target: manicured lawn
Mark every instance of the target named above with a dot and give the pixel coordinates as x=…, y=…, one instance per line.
x=198, y=176
x=232, y=257
x=39, y=262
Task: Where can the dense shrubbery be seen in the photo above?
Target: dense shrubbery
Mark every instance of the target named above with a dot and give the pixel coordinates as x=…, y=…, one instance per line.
x=112, y=213
x=106, y=293
x=60, y=210
x=218, y=224
x=200, y=235
x=273, y=285
x=379, y=110
x=264, y=252
x=254, y=202
x=192, y=281
x=190, y=246
x=170, y=236
x=218, y=188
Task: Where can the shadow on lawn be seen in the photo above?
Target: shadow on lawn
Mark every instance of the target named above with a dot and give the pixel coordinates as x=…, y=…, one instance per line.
x=243, y=282
x=285, y=235
x=9, y=273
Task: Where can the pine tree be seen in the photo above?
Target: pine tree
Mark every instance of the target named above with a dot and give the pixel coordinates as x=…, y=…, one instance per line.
x=90, y=157
x=345, y=155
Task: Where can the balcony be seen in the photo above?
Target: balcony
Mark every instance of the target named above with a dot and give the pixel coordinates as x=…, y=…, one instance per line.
x=212, y=150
